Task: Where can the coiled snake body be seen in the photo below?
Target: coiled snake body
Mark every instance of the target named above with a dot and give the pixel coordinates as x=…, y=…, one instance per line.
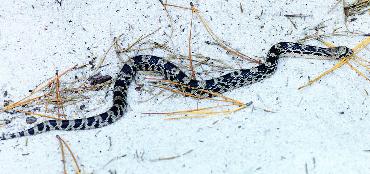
x=171, y=72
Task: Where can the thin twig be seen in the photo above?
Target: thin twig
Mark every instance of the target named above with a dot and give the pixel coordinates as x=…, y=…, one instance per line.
x=63, y=155
x=78, y=170
x=189, y=48
x=214, y=36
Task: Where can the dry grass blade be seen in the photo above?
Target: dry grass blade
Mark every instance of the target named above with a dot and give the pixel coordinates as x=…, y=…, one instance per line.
x=130, y=46
x=169, y=17
x=357, y=8
x=30, y=98
x=58, y=97
x=357, y=71
x=338, y=65
x=201, y=112
x=362, y=60
x=102, y=59
x=119, y=49
x=22, y=102
x=63, y=155
x=189, y=47
x=172, y=157
x=49, y=99
x=173, y=5
x=51, y=95
x=63, y=143
x=58, y=117
x=360, y=46
x=51, y=80
x=220, y=42
x=202, y=90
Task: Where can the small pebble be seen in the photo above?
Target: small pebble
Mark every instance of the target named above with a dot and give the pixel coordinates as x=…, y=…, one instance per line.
x=98, y=79
x=249, y=103
x=82, y=107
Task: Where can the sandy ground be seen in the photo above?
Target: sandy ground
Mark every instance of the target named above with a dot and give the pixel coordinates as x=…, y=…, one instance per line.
x=321, y=129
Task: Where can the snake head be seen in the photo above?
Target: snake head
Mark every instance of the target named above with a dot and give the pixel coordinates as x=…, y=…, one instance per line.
x=343, y=51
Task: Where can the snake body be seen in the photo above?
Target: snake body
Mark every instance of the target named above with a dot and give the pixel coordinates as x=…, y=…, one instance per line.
x=171, y=72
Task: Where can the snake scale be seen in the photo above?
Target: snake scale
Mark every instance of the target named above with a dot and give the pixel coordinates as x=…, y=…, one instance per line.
x=171, y=72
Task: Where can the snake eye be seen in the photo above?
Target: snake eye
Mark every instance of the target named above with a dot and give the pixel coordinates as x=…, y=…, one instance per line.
x=344, y=52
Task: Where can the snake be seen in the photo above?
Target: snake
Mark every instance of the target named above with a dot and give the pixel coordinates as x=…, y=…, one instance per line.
x=171, y=72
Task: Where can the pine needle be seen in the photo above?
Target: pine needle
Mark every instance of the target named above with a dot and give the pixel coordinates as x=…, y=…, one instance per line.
x=189, y=47
x=63, y=155
x=58, y=117
x=200, y=112
x=63, y=143
x=220, y=42
x=360, y=46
